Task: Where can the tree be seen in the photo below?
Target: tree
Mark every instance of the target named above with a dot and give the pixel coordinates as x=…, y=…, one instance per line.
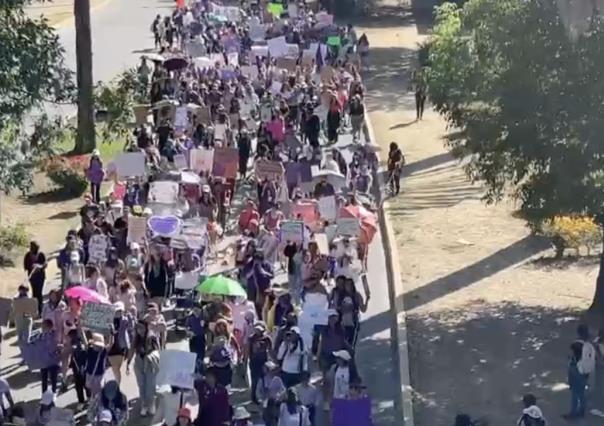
x=85, y=137
x=32, y=67
x=529, y=105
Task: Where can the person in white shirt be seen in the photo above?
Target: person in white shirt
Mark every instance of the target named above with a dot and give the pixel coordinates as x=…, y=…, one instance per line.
x=95, y=282
x=293, y=357
x=341, y=375
x=291, y=412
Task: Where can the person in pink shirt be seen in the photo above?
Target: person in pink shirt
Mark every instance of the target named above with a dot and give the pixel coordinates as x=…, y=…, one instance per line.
x=276, y=128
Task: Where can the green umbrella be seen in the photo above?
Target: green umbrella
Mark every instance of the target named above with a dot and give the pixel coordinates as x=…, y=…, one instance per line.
x=221, y=286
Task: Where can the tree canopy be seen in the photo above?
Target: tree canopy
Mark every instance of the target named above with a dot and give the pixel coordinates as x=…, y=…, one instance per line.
x=32, y=72
x=32, y=68
x=528, y=101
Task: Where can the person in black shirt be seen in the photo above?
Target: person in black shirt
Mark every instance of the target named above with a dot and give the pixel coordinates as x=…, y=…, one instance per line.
x=35, y=264
x=396, y=161
x=312, y=126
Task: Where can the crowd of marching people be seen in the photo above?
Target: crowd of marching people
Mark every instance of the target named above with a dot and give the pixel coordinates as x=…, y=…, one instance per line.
x=241, y=148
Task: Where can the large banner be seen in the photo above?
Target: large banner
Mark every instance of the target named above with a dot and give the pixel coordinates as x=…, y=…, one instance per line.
x=347, y=412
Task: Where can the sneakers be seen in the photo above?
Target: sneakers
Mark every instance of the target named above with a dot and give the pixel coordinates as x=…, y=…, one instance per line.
x=143, y=411
x=152, y=410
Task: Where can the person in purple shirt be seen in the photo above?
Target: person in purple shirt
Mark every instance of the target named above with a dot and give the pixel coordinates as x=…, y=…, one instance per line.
x=95, y=175
x=51, y=372
x=214, y=406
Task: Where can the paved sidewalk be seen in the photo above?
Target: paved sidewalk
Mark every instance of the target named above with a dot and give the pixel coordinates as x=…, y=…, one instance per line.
x=490, y=317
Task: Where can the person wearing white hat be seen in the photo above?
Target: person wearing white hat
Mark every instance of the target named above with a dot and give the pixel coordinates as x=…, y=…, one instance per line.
x=95, y=175
x=342, y=374
x=293, y=357
x=121, y=332
x=104, y=418
x=96, y=364
x=241, y=417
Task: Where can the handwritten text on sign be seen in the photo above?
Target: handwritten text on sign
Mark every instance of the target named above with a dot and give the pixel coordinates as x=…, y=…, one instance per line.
x=96, y=316
x=226, y=161
x=292, y=231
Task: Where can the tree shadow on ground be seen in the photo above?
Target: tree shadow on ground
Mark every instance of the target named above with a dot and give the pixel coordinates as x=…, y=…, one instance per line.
x=387, y=65
x=490, y=265
x=47, y=197
x=481, y=358
x=437, y=189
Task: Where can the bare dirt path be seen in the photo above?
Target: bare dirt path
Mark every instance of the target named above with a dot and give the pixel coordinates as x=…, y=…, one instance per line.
x=487, y=320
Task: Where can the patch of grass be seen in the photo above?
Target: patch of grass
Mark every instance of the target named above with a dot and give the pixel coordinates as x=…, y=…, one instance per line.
x=108, y=150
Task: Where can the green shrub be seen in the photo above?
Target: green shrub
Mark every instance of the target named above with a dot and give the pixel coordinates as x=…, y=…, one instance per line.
x=69, y=174
x=12, y=238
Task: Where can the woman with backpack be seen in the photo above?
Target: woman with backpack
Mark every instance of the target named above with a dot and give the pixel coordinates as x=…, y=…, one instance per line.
x=293, y=358
x=291, y=412
x=349, y=303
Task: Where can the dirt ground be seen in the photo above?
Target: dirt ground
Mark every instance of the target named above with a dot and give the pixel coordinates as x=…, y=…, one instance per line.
x=46, y=217
x=59, y=12
x=490, y=317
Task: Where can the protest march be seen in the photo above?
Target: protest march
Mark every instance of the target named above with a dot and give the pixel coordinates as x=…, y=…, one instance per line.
x=237, y=221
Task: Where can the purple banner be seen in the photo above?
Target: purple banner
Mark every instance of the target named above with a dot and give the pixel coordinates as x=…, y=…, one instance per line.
x=40, y=352
x=347, y=412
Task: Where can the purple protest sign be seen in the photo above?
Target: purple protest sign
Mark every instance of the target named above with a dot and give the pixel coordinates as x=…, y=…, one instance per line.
x=164, y=226
x=40, y=352
x=347, y=412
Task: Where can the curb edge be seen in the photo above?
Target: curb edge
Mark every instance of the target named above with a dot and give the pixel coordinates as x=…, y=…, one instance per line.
x=395, y=293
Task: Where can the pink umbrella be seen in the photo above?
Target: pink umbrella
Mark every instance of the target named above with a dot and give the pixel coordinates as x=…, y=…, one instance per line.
x=86, y=295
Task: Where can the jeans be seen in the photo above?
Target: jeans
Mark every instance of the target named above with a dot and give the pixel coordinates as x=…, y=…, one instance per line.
x=51, y=373
x=79, y=381
x=95, y=191
x=23, y=326
x=256, y=374
x=37, y=287
x=146, y=382
x=197, y=345
x=577, y=401
x=295, y=287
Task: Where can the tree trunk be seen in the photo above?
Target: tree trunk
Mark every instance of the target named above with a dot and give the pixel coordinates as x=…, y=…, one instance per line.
x=597, y=305
x=85, y=138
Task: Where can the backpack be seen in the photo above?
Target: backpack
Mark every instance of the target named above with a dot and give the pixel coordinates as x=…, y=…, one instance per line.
x=527, y=420
x=587, y=363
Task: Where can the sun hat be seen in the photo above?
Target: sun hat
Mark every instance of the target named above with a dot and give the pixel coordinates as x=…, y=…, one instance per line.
x=105, y=417
x=185, y=412
x=48, y=398
x=342, y=354
x=270, y=365
x=241, y=414
x=332, y=313
x=98, y=340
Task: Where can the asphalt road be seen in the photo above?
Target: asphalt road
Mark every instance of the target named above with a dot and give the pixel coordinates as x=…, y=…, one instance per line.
x=120, y=34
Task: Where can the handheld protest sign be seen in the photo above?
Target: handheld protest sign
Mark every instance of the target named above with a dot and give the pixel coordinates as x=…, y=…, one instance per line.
x=97, y=316
x=176, y=368
x=137, y=229
x=226, y=162
x=292, y=231
x=271, y=170
x=25, y=306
